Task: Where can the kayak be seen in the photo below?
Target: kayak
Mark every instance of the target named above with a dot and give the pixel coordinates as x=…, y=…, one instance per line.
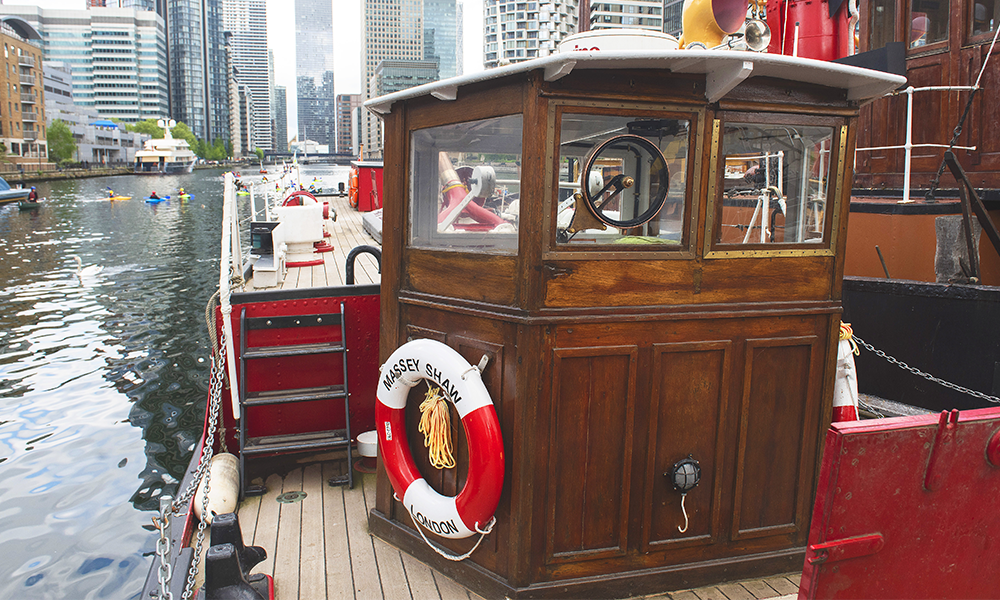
x=157, y=200
x=113, y=198
x=242, y=193
x=25, y=205
x=186, y=196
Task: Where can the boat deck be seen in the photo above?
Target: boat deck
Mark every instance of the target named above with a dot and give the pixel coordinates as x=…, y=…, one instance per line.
x=318, y=548
x=345, y=234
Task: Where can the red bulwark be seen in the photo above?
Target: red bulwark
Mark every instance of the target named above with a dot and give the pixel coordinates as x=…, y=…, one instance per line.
x=907, y=508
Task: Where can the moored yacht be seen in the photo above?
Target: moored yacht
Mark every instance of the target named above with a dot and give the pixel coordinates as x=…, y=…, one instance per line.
x=165, y=155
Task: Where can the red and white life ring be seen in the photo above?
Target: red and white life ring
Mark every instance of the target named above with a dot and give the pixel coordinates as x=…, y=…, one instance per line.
x=472, y=509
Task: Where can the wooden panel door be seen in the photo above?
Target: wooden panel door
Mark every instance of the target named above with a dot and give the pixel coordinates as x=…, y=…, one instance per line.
x=690, y=384
x=590, y=471
x=776, y=441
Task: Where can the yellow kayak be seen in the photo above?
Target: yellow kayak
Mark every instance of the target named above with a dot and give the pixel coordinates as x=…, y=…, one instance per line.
x=113, y=198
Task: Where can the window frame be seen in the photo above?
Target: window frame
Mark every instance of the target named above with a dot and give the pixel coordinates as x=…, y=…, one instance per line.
x=695, y=115
x=715, y=189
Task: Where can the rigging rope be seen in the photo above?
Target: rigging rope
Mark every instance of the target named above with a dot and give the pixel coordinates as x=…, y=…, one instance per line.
x=435, y=424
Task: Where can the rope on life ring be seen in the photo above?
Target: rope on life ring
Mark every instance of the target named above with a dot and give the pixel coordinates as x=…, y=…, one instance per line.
x=471, y=511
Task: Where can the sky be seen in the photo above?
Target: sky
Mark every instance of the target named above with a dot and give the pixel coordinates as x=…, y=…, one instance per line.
x=346, y=42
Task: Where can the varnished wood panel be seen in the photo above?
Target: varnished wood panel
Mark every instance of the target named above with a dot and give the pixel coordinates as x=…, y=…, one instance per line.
x=645, y=283
x=690, y=384
x=774, y=423
x=479, y=277
x=590, y=469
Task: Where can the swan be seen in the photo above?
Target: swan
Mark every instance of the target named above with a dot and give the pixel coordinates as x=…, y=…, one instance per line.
x=88, y=271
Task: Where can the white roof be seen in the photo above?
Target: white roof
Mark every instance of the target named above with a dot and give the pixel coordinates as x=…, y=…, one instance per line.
x=725, y=69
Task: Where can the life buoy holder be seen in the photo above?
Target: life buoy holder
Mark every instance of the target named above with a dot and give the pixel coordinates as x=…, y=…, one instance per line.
x=352, y=188
x=471, y=511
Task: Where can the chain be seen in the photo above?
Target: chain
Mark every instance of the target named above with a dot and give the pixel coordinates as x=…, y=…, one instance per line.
x=927, y=376
x=202, y=472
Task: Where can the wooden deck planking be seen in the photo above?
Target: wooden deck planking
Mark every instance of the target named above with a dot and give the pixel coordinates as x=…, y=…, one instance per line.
x=312, y=553
x=287, y=553
x=319, y=548
x=339, y=579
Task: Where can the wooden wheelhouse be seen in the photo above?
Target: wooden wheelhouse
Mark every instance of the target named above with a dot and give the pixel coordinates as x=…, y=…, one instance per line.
x=703, y=326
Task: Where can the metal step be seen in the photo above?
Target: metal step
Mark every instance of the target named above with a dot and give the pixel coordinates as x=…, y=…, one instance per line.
x=316, y=440
x=326, y=392
x=293, y=350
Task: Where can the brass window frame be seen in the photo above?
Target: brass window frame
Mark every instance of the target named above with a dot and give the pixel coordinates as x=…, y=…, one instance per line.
x=714, y=199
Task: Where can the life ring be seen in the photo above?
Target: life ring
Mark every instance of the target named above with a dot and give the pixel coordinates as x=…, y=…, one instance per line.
x=352, y=188
x=471, y=511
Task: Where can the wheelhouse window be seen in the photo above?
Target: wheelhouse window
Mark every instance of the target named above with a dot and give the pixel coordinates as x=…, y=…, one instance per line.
x=775, y=184
x=984, y=18
x=623, y=180
x=928, y=22
x=465, y=185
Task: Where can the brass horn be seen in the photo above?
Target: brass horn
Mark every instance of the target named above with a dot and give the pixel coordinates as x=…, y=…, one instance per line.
x=757, y=35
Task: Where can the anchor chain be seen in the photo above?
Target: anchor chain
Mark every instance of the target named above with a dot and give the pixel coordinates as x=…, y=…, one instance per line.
x=927, y=376
x=167, y=511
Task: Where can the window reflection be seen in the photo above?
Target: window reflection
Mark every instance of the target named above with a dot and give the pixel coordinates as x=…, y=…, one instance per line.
x=775, y=184
x=985, y=16
x=636, y=169
x=928, y=22
x=465, y=185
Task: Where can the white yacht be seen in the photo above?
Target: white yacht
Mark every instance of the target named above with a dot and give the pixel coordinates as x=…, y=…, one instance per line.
x=165, y=155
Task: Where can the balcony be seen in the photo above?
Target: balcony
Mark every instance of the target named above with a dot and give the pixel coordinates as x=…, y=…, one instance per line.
x=27, y=79
x=29, y=116
x=26, y=61
x=27, y=98
x=29, y=135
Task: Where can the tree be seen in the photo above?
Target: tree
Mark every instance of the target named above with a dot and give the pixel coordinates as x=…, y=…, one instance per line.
x=148, y=127
x=259, y=153
x=62, y=146
x=182, y=131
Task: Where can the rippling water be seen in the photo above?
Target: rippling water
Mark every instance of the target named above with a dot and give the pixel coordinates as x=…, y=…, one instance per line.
x=103, y=375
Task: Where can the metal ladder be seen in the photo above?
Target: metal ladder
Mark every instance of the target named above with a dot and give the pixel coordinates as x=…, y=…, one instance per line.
x=302, y=441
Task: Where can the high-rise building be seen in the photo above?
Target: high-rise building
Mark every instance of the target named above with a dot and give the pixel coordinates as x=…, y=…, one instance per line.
x=117, y=55
x=246, y=21
x=441, y=36
x=198, y=77
x=519, y=31
x=393, y=30
x=317, y=111
x=280, y=119
x=672, y=12
x=346, y=103
x=316, y=99
x=627, y=14
x=97, y=141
